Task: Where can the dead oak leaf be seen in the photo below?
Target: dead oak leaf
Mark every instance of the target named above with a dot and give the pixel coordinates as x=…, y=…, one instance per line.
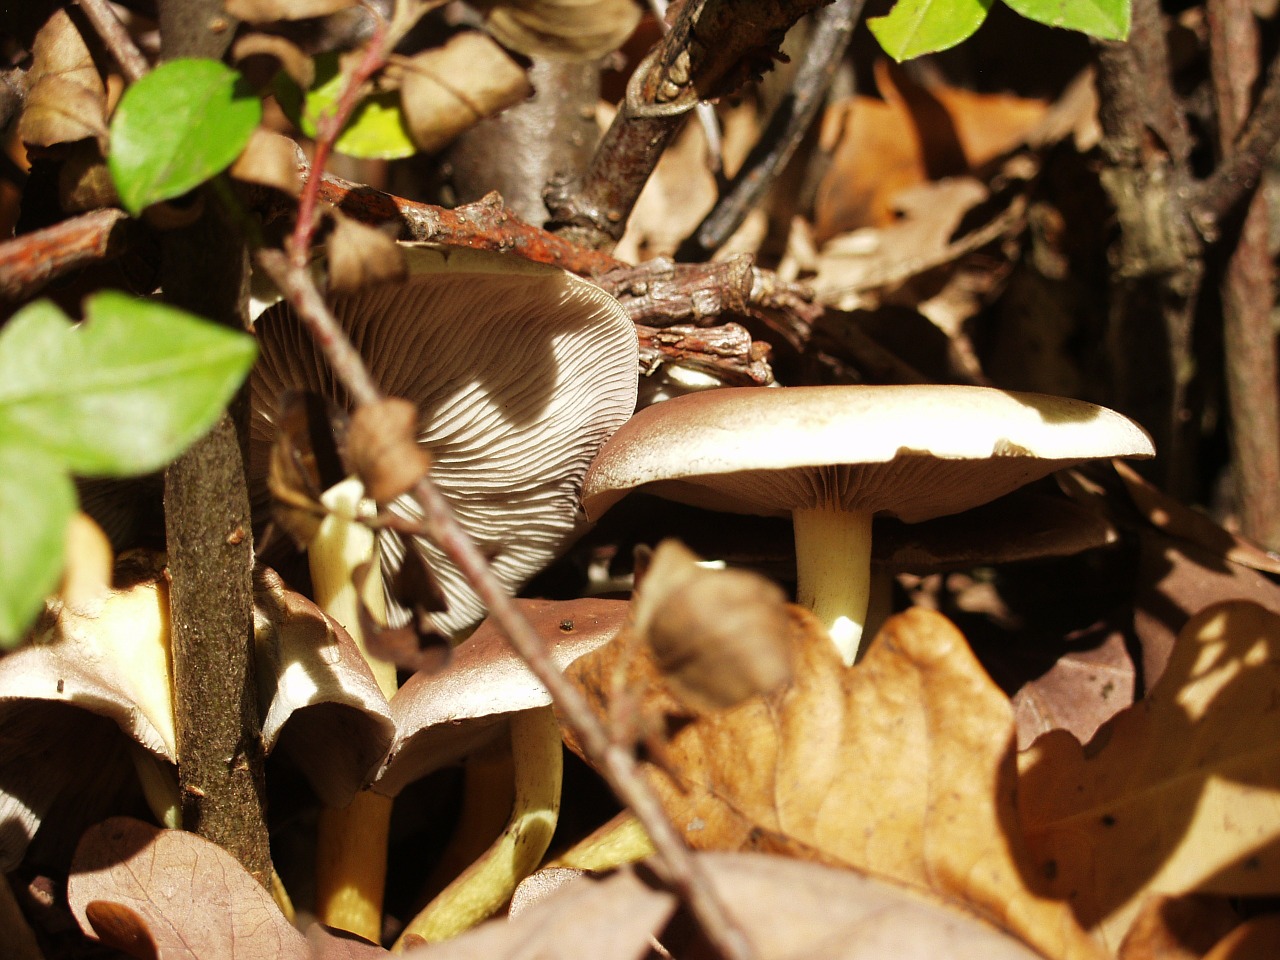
x=67, y=99
x=1179, y=793
x=902, y=766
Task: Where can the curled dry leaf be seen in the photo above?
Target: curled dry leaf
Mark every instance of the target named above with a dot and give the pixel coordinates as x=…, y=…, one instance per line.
x=185, y=895
x=303, y=462
x=902, y=766
x=382, y=445
x=67, y=100
x=1177, y=928
x=1177, y=794
x=447, y=89
x=787, y=909
x=280, y=54
x=719, y=637
x=1258, y=939
x=562, y=29
x=360, y=255
x=270, y=160
x=264, y=11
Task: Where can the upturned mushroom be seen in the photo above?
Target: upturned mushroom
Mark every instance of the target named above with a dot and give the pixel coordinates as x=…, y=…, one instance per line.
x=832, y=458
x=519, y=373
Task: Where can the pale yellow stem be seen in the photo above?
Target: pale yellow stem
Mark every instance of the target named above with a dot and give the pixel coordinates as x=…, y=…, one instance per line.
x=489, y=882
x=833, y=571
x=621, y=840
x=351, y=852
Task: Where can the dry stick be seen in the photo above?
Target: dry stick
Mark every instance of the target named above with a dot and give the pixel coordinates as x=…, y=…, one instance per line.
x=1249, y=340
x=832, y=30
x=712, y=47
x=116, y=38
x=1157, y=256
x=619, y=768
x=30, y=261
x=1239, y=172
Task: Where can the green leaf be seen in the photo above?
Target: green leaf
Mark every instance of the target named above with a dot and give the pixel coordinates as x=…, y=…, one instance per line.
x=916, y=27
x=1104, y=19
x=123, y=393
x=182, y=123
x=376, y=129
x=37, y=499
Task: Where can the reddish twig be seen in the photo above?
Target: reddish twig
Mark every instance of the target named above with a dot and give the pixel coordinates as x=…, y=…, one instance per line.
x=727, y=352
x=30, y=261
x=116, y=39
x=328, y=128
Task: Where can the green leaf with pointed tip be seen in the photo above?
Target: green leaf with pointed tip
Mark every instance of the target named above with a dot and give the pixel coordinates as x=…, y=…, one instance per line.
x=916, y=27
x=376, y=129
x=123, y=393
x=1104, y=19
x=184, y=122
x=37, y=499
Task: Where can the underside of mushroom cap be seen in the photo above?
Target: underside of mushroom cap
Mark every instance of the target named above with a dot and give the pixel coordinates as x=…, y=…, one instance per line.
x=520, y=372
x=913, y=452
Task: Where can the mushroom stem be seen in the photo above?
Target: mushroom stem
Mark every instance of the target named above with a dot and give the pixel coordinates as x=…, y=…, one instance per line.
x=489, y=882
x=833, y=571
x=351, y=853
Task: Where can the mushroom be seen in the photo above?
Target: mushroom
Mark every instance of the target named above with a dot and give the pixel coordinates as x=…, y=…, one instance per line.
x=833, y=457
x=519, y=373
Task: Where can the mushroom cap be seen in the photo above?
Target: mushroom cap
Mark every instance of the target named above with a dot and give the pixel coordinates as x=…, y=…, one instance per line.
x=913, y=452
x=519, y=371
x=440, y=717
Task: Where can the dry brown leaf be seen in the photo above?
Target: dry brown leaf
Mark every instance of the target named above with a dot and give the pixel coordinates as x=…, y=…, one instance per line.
x=447, y=89
x=1259, y=939
x=562, y=29
x=382, y=444
x=902, y=766
x=1079, y=693
x=830, y=913
x=1178, y=794
x=1177, y=928
x=916, y=134
x=67, y=99
x=264, y=11
x=360, y=255
x=188, y=896
x=278, y=53
x=270, y=160
x=1177, y=519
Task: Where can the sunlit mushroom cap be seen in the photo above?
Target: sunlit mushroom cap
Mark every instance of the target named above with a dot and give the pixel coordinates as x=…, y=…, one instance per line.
x=913, y=452
x=520, y=372
x=443, y=716
x=90, y=674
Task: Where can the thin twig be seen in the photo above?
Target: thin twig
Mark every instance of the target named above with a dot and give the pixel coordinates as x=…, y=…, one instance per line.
x=1249, y=339
x=329, y=127
x=30, y=261
x=713, y=46
x=116, y=39
x=832, y=29
x=1238, y=174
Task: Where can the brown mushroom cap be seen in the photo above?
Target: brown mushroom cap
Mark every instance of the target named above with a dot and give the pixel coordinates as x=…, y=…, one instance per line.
x=913, y=452
x=443, y=716
x=520, y=372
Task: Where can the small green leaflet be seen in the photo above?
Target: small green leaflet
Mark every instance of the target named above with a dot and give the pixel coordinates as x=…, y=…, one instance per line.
x=376, y=129
x=916, y=27
x=36, y=501
x=182, y=123
x=1104, y=19
x=123, y=393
